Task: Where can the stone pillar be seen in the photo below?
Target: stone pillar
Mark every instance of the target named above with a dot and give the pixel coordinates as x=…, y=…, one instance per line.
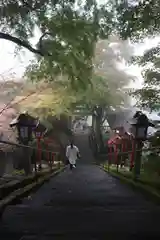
x=2, y=163
x=9, y=163
x=27, y=160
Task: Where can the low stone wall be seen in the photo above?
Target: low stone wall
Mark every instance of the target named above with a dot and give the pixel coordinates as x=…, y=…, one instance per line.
x=11, y=157
x=6, y=163
x=12, y=160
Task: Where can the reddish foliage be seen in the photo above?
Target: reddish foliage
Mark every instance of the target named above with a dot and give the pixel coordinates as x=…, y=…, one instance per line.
x=5, y=118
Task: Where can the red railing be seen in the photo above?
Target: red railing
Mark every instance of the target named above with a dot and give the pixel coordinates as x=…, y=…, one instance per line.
x=116, y=150
x=51, y=155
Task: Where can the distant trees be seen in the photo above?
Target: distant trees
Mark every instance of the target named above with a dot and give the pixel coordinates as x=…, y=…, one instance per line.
x=137, y=20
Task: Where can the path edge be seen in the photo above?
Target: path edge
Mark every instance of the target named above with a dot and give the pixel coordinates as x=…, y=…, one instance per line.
x=22, y=192
x=148, y=192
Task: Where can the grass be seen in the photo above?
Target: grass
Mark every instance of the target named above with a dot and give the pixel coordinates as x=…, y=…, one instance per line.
x=7, y=188
x=148, y=184
x=151, y=179
x=22, y=173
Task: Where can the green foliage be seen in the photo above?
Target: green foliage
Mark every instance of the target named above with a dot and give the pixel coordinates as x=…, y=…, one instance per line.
x=151, y=55
x=49, y=100
x=152, y=164
x=99, y=91
x=105, y=83
x=69, y=31
x=101, y=94
x=147, y=97
x=155, y=140
x=137, y=19
x=60, y=97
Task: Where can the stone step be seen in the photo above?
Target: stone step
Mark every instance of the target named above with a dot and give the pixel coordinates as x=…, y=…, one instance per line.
x=13, y=209
x=110, y=203
x=80, y=236
x=69, y=220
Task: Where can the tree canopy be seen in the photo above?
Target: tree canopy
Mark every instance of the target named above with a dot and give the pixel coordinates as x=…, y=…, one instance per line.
x=107, y=82
x=69, y=47
x=69, y=30
x=148, y=96
x=137, y=20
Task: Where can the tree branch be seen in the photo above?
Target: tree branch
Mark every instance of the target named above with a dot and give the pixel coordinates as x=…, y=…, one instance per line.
x=35, y=7
x=41, y=42
x=23, y=43
x=26, y=4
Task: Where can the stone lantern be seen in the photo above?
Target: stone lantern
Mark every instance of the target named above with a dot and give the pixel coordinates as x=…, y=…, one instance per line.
x=24, y=124
x=140, y=124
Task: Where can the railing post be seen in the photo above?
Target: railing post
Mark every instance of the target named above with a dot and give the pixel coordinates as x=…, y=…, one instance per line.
x=53, y=158
x=110, y=154
x=132, y=155
x=39, y=153
x=49, y=154
x=123, y=152
x=116, y=157
x=137, y=161
x=109, y=158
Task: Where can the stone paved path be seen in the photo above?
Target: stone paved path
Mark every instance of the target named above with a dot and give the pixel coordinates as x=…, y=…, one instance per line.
x=84, y=204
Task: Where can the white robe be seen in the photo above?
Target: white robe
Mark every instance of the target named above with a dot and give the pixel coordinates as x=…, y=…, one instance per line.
x=71, y=154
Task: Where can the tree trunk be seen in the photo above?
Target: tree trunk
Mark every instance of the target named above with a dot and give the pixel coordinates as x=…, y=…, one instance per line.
x=99, y=134
x=96, y=124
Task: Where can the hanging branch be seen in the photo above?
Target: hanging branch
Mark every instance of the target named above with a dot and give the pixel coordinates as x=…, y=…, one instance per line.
x=25, y=44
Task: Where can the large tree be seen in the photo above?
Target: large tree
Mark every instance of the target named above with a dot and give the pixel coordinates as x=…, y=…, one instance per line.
x=109, y=56
x=107, y=82
x=148, y=95
x=137, y=20
x=69, y=30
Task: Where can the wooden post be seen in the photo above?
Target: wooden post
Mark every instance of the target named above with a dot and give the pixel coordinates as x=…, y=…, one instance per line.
x=137, y=165
x=116, y=157
x=132, y=155
x=39, y=152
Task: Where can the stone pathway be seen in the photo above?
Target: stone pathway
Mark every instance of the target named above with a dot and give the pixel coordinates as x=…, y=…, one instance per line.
x=84, y=204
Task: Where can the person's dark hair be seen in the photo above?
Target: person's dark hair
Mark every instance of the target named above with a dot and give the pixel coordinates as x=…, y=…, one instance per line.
x=137, y=114
x=71, y=144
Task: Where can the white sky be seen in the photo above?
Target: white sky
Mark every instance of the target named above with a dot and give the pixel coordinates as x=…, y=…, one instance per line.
x=15, y=64
x=139, y=49
x=9, y=63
